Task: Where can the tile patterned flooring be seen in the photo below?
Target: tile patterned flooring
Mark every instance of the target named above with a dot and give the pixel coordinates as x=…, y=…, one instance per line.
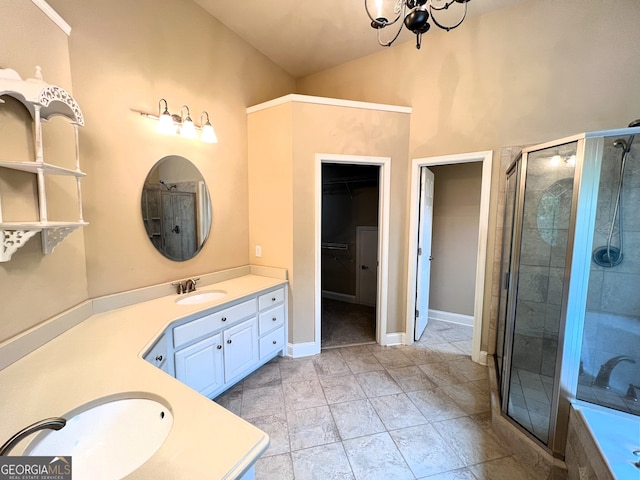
x=378, y=413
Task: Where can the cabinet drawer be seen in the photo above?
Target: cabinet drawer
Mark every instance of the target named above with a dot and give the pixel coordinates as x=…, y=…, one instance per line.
x=271, y=343
x=271, y=298
x=210, y=323
x=271, y=319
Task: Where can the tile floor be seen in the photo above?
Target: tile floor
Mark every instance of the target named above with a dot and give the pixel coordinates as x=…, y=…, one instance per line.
x=378, y=413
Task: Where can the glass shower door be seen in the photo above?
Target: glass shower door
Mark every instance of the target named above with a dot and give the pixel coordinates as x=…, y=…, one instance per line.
x=505, y=267
x=538, y=285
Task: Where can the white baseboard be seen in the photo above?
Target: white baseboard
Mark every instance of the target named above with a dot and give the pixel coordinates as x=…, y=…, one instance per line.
x=340, y=297
x=450, y=317
x=393, y=339
x=306, y=349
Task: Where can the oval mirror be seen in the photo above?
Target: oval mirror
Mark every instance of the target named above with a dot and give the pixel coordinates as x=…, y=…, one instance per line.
x=176, y=208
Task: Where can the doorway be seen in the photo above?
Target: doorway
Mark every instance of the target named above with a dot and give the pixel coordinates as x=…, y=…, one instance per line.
x=349, y=253
x=414, y=226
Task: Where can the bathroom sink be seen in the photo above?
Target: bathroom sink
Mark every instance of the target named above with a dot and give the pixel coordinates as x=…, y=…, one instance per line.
x=202, y=297
x=109, y=440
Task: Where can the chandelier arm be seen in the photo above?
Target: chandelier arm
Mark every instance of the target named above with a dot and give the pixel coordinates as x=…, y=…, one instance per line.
x=447, y=28
x=443, y=7
x=375, y=20
x=389, y=43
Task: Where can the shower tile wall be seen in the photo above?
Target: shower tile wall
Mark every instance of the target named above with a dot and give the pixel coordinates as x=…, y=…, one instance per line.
x=612, y=321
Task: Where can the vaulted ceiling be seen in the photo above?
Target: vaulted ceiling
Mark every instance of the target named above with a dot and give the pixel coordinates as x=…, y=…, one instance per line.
x=304, y=36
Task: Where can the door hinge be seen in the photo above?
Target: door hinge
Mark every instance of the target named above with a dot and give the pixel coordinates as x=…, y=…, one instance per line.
x=417, y=313
x=419, y=251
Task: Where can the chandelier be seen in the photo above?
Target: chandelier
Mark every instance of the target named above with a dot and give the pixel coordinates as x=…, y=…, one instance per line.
x=416, y=15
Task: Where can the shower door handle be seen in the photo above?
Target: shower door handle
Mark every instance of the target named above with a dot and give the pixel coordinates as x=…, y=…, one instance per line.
x=507, y=277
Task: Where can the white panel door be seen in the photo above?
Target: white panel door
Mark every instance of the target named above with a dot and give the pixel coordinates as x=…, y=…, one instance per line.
x=367, y=265
x=240, y=348
x=423, y=267
x=200, y=365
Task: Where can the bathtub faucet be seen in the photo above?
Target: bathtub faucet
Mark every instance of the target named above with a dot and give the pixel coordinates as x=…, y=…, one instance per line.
x=604, y=374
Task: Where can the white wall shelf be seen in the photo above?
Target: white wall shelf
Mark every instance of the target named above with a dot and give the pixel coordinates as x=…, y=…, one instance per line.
x=43, y=101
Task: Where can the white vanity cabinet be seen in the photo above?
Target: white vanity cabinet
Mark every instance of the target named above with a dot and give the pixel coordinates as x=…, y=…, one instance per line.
x=215, y=350
x=157, y=355
x=200, y=365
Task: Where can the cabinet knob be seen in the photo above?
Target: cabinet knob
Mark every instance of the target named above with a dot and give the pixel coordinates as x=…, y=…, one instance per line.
x=274, y=342
x=274, y=318
x=224, y=319
x=273, y=299
x=229, y=341
x=159, y=358
x=219, y=347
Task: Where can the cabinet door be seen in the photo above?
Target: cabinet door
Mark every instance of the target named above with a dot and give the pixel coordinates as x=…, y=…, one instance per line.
x=240, y=348
x=200, y=365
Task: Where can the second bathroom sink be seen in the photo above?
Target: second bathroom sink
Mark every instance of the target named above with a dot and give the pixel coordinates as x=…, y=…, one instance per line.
x=202, y=297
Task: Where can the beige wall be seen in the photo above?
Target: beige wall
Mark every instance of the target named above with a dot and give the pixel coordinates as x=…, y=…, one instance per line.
x=126, y=55
x=456, y=213
x=332, y=130
x=34, y=286
x=530, y=73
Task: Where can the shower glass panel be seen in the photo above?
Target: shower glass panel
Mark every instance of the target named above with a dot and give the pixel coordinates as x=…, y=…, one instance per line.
x=540, y=260
x=610, y=357
x=505, y=268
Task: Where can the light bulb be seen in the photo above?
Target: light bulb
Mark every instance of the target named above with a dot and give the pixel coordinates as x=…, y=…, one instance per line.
x=165, y=124
x=188, y=129
x=208, y=134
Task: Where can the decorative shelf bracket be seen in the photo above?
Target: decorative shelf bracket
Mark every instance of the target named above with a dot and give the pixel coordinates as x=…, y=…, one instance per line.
x=51, y=237
x=12, y=240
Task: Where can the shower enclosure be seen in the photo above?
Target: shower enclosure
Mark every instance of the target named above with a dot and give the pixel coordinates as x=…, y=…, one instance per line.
x=569, y=312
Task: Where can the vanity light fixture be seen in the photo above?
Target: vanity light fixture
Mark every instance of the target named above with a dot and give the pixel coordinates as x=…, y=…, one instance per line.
x=187, y=128
x=172, y=124
x=208, y=134
x=165, y=120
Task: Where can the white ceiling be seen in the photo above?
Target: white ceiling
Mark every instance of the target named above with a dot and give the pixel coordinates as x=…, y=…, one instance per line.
x=305, y=36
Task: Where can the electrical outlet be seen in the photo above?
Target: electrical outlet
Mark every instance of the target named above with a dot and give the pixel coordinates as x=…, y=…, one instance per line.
x=258, y=251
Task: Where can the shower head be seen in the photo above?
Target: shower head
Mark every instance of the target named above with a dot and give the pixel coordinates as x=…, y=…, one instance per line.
x=620, y=143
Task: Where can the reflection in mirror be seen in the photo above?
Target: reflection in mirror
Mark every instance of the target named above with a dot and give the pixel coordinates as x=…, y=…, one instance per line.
x=176, y=208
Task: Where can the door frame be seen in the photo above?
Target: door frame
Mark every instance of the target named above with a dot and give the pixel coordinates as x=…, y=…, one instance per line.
x=486, y=157
x=384, y=197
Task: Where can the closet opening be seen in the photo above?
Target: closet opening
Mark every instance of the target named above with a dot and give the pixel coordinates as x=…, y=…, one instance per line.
x=349, y=253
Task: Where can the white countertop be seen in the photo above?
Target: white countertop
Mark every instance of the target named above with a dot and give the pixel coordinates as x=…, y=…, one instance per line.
x=102, y=357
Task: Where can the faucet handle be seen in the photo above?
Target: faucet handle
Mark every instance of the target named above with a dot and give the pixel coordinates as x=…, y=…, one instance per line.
x=180, y=287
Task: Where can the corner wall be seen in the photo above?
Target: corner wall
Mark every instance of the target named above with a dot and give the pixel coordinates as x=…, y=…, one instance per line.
x=328, y=129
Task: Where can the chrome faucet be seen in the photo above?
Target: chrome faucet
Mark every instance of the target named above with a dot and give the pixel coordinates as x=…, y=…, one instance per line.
x=55, y=423
x=190, y=285
x=604, y=374
x=187, y=286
